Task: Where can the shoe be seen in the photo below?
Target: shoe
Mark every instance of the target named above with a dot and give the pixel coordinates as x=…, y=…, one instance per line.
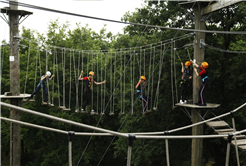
x=185, y=101
x=47, y=102
x=28, y=99
x=77, y=111
x=181, y=102
x=93, y=111
x=143, y=112
x=197, y=103
x=83, y=111
x=202, y=104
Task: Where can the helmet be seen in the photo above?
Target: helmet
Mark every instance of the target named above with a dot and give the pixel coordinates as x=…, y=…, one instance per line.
x=143, y=77
x=48, y=73
x=204, y=65
x=187, y=63
x=91, y=73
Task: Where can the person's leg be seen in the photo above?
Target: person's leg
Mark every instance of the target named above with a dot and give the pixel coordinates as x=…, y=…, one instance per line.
x=45, y=94
x=145, y=103
x=88, y=99
x=36, y=90
x=202, y=94
x=182, y=91
x=186, y=91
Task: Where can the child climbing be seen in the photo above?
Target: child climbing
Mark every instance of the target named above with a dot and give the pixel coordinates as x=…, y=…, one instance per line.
x=145, y=99
x=42, y=84
x=88, y=89
x=185, y=82
x=204, y=77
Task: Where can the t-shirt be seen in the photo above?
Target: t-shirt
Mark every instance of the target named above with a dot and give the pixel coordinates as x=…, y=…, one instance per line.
x=44, y=82
x=88, y=84
x=203, y=72
x=139, y=88
x=187, y=73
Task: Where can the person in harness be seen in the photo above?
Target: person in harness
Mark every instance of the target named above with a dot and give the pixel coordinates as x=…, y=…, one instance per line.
x=204, y=85
x=88, y=89
x=145, y=99
x=185, y=81
x=42, y=84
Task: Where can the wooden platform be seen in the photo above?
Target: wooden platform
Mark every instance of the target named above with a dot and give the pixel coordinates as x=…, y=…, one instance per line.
x=21, y=96
x=209, y=106
x=217, y=124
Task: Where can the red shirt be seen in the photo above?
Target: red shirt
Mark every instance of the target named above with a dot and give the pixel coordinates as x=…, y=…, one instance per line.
x=203, y=71
x=85, y=78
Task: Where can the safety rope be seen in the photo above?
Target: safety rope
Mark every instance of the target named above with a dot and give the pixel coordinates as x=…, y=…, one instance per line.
x=64, y=65
x=124, y=81
x=101, y=79
x=82, y=68
x=76, y=84
x=47, y=57
x=114, y=78
x=53, y=82
x=175, y=73
x=34, y=85
x=28, y=57
x=97, y=86
x=92, y=81
x=152, y=89
x=150, y=58
x=58, y=86
x=172, y=72
x=111, y=78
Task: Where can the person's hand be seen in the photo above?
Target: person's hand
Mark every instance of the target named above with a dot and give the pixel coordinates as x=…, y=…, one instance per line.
x=190, y=77
x=191, y=60
x=182, y=63
x=104, y=81
x=46, y=76
x=53, y=75
x=81, y=71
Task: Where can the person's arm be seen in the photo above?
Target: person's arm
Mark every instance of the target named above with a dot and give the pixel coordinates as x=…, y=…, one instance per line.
x=196, y=72
x=194, y=63
x=52, y=77
x=182, y=70
x=99, y=83
x=80, y=77
x=42, y=78
x=138, y=83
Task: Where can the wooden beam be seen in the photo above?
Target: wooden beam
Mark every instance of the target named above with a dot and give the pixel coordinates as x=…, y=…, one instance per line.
x=218, y=5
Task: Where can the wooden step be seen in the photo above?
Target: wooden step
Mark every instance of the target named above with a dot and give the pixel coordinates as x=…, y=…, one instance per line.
x=154, y=108
x=66, y=109
x=239, y=142
x=31, y=100
x=242, y=147
x=102, y=113
x=217, y=124
x=224, y=130
x=111, y=114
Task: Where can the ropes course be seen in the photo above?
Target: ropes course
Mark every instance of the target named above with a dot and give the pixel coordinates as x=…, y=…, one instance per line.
x=121, y=91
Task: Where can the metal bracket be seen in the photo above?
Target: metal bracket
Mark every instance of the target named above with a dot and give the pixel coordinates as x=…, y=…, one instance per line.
x=201, y=43
x=70, y=135
x=130, y=139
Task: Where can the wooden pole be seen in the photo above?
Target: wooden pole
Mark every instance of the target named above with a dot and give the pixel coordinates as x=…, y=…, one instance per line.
x=199, y=53
x=15, y=141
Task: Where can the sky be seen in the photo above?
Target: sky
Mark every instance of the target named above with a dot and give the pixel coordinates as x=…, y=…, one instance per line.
x=109, y=9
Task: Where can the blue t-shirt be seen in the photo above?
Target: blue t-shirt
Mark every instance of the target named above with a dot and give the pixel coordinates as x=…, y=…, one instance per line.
x=44, y=82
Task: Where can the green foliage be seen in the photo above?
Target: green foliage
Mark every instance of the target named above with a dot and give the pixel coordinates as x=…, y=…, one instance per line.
x=226, y=76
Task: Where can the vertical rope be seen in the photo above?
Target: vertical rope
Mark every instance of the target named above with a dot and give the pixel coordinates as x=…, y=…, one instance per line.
x=101, y=79
x=58, y=80
x=76, y=84
x=92, y=61
x=70, y=80
x=82, y=83
x=121, y=91
x=131, y=81
x=152, y=89
x=64, y=65
x=150, y=57
x=111, y=78
x=53, y=82
x=97, y=86
x=47, y=57
x=28, y=56
x=172, y=70
x=114, y=78
x=175, y=73
x=105, y=84
x=34, y=86
x=124, y=99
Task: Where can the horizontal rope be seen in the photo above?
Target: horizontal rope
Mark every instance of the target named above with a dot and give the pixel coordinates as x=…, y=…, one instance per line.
x=109, y=20
x=223, y=50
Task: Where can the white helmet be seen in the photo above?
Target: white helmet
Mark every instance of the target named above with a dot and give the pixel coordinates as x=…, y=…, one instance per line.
x=48, y=73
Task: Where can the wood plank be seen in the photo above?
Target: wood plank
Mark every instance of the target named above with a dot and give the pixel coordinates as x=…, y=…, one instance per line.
x=217, y=124
x=242, y=147
x=239, y=142
x=21, y=96
x=66, y=109
x=218, y=5
x=209, y=106
x=223, y=130
x=31, y=100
